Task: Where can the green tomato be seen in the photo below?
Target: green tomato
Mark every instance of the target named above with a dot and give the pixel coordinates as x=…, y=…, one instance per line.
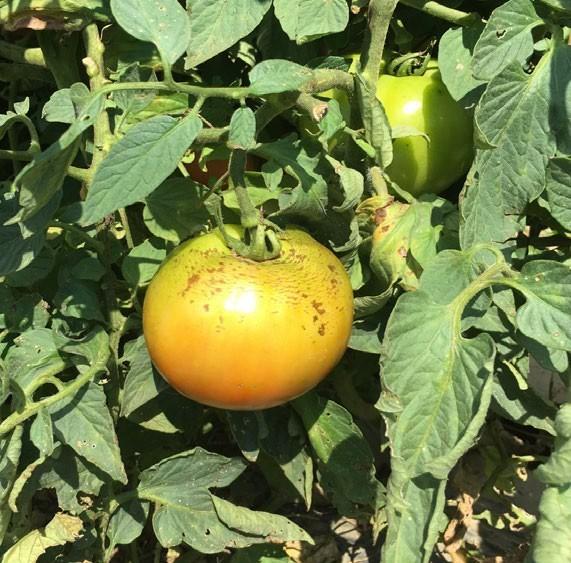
x=423, y=103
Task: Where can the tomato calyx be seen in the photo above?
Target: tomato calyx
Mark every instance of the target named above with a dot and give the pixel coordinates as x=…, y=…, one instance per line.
x=411, y=64
x=260, y=242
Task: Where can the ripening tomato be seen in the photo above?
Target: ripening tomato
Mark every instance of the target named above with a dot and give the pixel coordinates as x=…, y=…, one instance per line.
x=242, y=335
x=215, y=169
x=423, y=103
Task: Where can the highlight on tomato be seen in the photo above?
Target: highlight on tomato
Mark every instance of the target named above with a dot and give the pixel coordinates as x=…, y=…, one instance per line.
x=243, y=335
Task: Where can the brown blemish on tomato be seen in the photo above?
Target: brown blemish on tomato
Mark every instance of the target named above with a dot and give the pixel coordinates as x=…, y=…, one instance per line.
x=402, y=251
x=318, y=307
x=315, y=318
x=206, y=307
x=190, y=282
x=321, y=330
x=331, y=267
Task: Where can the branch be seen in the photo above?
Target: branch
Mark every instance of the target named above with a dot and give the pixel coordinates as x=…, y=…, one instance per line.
x=95, y=67
x=437, y=10
x=17, y=418
x=379, y=14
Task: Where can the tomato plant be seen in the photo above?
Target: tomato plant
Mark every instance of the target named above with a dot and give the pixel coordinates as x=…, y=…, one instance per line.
x=352, y=344
x=241, y=335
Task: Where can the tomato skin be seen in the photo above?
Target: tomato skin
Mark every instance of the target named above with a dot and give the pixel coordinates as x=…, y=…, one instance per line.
x=424, y=103
x=215, y=169
x=242, y=335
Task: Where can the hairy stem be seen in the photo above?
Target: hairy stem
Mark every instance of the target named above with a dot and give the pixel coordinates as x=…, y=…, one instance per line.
x=379, y=14
x=17, y=418
x=437, y=10
x=95, y=67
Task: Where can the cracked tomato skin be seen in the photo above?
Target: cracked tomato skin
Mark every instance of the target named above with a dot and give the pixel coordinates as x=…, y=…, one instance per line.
x=242, y=335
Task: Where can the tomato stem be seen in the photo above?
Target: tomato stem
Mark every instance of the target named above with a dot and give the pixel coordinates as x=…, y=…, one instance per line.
x=457, y=17
x=102, y=129
x=379, y=14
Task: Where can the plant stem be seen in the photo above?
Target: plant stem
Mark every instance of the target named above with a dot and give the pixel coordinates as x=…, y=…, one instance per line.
x=17, y=418
x=17, y=54
x=125, y=223
x=323, y=79
x=95, y=66
x=437, y=10
x=22, y=156
x=379, y=14
x=81, y=174
x=83, y=236
x=249, y=214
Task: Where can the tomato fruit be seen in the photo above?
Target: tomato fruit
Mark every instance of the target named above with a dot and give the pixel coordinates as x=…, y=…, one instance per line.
x=422, y=102
x=215, y=169
x=242, y=335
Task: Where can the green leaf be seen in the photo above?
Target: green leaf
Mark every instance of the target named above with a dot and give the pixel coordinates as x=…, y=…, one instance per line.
x=138, y=163
x=553, y=535
x=10, y=450
x=352, y=183
x=365, y=334
x=455, y=52
x=557, y=469
x=309, y=198
x=180, y=485
x=37, y=270
x=305, y=20
x=133, y=101
x=62, y=529
x=78, y=299
x=65, y=105
x=559, y=5
x=83, y=422
x=276, y=75
x=164, y=23
x=175, y=211
x=67, y=474
x=377, y=127
x=34, y=354
x=415, y=516
x=242, y=134
x=42, y=178
x=22, y=241
x=126, y=524
x=513, y=116
x=143, y=383
x=140, y=265
x=41, y=433
x=515, y=122
x=257, y=525
x=218, y=24
x=558, y=189
x=246, y=431
x=506, y=39
x=437, y=384
x=546, y=315
x=344, y=457
x=30, y=311
x=483, y=218
x=523, y=406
